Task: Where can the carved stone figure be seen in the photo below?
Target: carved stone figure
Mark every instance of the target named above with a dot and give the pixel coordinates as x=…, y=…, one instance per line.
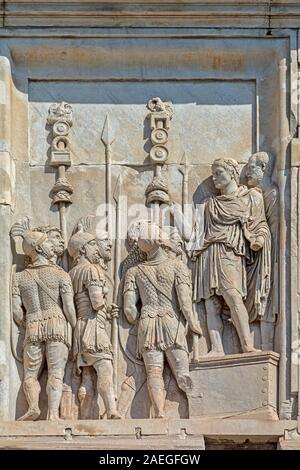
x=136, y=375
x=178, y=250
x=259, y=175
x=135, y=254
x=163, y=286
x=233, y=228
x=55, y=236
x=92, y=346
x=86, y=392
x=42, y=300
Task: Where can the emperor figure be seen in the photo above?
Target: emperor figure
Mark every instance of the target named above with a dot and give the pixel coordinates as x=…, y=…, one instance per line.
x=230, y=230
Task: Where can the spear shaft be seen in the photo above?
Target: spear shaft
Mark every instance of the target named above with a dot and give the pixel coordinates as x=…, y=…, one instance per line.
x=63, y=220
x=107, y=139
x=184, y=170
x=114, y=332
x=60, y=119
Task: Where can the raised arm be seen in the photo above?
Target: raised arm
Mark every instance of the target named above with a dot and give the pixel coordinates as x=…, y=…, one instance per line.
x=181, y=222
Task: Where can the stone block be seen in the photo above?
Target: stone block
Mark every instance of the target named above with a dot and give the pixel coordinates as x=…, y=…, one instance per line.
x=240, y=384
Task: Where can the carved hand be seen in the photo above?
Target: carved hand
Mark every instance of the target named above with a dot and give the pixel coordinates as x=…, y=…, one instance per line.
x=113, y=311
x=175, y=208
x=194, y=255
x=257, y=244
x=195, y=327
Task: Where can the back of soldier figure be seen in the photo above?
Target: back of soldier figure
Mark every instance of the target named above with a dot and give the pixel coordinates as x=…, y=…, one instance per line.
x=32, y=292
x=43, y=302
x=160, y=298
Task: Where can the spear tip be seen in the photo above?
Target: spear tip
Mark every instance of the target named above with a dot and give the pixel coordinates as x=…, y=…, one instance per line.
x=183, y=166
x=107, y=136
x=184, y=159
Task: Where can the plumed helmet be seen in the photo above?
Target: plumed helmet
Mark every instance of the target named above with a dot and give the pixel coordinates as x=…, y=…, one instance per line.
x=149, y=230
x=78, y=241
x=31, y=239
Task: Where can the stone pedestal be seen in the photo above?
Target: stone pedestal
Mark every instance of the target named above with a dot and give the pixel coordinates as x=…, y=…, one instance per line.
x=151, y=434
x=242, y=384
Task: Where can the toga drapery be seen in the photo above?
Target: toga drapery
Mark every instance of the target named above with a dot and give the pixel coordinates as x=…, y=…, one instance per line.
x=226, y=261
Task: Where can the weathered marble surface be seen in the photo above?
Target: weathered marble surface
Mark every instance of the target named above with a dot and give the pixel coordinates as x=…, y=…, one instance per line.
x=233, y=92
x=256, y=13
x=249, y=380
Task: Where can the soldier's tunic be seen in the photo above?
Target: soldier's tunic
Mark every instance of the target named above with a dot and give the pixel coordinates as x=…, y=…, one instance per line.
x=161, y=325
x=91, y=341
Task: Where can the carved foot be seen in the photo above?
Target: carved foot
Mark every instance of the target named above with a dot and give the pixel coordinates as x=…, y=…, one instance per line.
x=114, y=415
x=251, y=349
x=185, y=383
x=31, y=415
x=55, y=418
x=214, y=353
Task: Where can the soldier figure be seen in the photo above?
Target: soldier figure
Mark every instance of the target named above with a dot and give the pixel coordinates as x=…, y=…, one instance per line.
x=55, y=236
x=92, y=346
x=43, y=301
x=163, y=286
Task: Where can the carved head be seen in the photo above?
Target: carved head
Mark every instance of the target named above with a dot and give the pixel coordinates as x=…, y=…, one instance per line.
x=259, y=165
x=91, y=251
x=55, y=236
x=150, y=235
x=84, y=245
x=224, y=170
x=105, y=246
x=35, y=244
x=177, y=242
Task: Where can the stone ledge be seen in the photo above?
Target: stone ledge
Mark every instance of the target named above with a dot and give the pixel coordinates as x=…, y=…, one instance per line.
x=134, y=434
x=149, y=427
x=91, y=13
x=236, y=359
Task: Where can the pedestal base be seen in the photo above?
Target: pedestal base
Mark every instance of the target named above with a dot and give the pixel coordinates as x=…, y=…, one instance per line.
x=243, y=385
x=150, y=434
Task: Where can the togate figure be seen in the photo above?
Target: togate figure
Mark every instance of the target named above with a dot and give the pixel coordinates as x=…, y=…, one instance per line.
x=231, y=230
x=259, y=175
